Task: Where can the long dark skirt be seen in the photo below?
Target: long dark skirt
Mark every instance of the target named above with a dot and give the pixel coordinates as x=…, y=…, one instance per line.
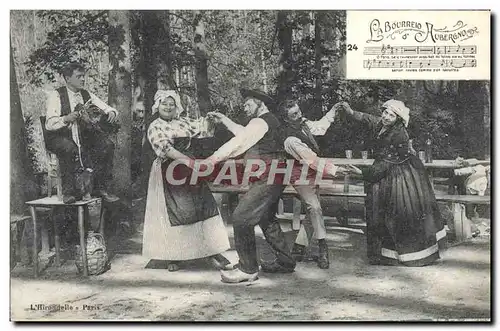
x=404, y=225
x=186, y=203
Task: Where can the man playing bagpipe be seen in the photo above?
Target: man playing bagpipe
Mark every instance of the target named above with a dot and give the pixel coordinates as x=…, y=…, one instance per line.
x=77, y=128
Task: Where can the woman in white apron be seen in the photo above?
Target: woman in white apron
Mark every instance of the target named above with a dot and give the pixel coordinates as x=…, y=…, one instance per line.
x=182, y=222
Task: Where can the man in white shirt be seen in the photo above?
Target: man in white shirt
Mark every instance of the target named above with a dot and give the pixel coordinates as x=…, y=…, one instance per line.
x=76, y=148
x=261, y=141
x=301, y=145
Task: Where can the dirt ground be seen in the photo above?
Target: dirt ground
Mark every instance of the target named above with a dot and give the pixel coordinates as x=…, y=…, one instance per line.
x=457, y=287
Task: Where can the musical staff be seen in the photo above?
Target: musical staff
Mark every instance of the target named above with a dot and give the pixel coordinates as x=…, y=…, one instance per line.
x=420, y=64
x=416, y=50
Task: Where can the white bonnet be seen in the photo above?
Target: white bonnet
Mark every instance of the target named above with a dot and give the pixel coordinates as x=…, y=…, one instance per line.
x=399, y=108
x=162, y=95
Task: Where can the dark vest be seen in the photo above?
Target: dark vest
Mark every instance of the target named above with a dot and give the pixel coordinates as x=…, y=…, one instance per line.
x=271, y=145
x=295, y=130
x=50, y=136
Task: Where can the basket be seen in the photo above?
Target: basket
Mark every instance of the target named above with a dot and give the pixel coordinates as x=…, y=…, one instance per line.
x=97, y=255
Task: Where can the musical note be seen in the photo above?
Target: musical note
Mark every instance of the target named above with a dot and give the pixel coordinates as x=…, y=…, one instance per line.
x=413, y=50
x=436, y=63
x=394, y=50
x=420, y=63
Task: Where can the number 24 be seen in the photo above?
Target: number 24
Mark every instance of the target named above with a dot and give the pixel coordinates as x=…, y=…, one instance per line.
x=351, y=47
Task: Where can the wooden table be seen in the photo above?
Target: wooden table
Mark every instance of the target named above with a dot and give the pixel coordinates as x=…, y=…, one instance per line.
x=50, y=202
x=435, y=164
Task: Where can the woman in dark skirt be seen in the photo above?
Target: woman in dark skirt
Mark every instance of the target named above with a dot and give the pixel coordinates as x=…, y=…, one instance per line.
x=404, y=225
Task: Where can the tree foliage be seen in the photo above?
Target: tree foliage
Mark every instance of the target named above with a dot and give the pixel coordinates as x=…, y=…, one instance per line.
x=76, y=36
x=254, y=49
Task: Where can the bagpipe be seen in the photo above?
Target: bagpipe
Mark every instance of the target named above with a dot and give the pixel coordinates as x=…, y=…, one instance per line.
x=92, y=119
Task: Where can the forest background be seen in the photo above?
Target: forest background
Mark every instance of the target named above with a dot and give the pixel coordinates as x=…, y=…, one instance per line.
x=207, y=56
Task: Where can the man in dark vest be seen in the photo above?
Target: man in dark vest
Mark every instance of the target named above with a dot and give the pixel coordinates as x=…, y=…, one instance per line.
x=261, y=141
x=78, y=149
x=299, y=143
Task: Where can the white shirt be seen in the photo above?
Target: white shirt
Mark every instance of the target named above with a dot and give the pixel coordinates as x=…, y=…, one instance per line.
x=245, y=137
x=301, y=152
x=319, y=128
x=55, y=120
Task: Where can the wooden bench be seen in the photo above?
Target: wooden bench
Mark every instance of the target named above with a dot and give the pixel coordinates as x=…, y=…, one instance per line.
x=462, y=230
x=461, y=223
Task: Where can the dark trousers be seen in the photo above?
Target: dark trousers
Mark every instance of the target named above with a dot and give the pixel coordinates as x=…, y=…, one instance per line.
x=259, y=206
x=97, y=154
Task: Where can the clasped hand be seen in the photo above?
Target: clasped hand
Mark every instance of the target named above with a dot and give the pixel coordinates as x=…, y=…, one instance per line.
x=215, y=116
x=344, y=106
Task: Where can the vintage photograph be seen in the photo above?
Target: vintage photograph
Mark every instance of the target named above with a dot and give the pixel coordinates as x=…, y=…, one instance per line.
x=250, y=165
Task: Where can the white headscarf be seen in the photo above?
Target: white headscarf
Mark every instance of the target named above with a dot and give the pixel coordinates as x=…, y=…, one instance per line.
x=162, y=95
x=399, y=108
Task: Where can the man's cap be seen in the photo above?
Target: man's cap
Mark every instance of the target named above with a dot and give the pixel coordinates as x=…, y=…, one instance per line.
x=259, y=95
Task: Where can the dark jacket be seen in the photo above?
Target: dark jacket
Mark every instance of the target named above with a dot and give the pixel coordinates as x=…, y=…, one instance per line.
x=389, y=149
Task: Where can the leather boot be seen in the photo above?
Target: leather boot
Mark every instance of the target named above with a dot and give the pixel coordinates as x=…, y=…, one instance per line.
x=298, y=252
x=323, y=259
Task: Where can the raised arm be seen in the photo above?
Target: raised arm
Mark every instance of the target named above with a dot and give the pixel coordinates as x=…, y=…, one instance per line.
x=367, y=119
x=319, y=128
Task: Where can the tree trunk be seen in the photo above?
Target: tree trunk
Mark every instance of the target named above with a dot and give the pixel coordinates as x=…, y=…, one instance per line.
x=156, y=71
x=285, y=75
x=164, y=53
x=306, y=29
x=120, y=96
x=318, y=93
x=471, y=117
x=22, y=183
x=201, y=66
x=154, y=51
x=262, y=56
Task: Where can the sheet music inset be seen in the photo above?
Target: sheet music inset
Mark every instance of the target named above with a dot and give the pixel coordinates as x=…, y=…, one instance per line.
x=445, y=45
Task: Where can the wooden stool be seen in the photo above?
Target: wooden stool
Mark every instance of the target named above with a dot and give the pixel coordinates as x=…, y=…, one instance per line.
x=51, y=202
